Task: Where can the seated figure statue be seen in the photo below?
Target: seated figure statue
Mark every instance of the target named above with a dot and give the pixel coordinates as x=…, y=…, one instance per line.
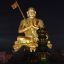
x=29, y=27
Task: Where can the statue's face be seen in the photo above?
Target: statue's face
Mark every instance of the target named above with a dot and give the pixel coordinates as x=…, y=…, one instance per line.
x=31, y=13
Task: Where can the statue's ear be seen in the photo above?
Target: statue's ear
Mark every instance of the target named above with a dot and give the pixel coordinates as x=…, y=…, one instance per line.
x=35, y=12
x=27, y=12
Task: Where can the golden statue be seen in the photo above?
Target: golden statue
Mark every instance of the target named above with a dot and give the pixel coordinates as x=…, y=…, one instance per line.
x=29, y=27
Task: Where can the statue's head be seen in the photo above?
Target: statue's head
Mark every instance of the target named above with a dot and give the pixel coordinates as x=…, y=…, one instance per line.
x=31, y=13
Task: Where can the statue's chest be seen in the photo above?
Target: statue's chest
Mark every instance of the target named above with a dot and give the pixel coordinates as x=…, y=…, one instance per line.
x=31, y=22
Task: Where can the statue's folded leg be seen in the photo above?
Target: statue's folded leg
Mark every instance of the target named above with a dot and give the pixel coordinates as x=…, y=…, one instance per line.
x=25, y=41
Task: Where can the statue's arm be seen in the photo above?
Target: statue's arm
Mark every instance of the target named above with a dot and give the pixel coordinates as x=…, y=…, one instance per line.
x=22, y=27
x=41, y=24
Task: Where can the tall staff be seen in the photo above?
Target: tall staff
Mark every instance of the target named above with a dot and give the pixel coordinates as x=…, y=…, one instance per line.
x=16, y=5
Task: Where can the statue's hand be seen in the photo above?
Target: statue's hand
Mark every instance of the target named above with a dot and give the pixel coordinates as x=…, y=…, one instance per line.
x=35, y=27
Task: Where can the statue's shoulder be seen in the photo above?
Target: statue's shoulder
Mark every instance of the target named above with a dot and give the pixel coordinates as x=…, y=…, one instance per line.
x=23, y=20
x=39, y=20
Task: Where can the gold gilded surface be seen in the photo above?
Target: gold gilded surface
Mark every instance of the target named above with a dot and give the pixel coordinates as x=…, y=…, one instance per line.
x=49, y=45
x=29, y=27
